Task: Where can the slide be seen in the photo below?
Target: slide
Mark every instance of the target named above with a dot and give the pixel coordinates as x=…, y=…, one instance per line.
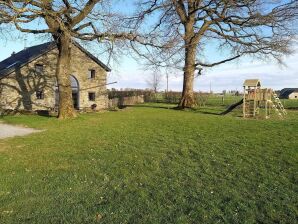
x=232, y=107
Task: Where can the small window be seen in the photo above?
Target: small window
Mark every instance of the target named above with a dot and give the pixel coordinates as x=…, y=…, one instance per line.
x=296, y=97
x=91, y=96
x=39, y=68
x=39, y=95
x=91, y=74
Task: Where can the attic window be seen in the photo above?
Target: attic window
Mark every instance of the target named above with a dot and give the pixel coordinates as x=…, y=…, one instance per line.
x=39, y=68
x=39, y=94
x=91, y=74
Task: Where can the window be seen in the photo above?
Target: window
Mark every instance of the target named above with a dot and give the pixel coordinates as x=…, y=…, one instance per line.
x=39, y=95
x=296, y=97
x=91, y=96
x=39, y=68
x=91, y=74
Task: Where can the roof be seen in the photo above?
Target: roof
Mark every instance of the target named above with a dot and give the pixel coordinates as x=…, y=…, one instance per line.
x=252, y=82
x=31, y=53
x=24, y=57
x=284, y=93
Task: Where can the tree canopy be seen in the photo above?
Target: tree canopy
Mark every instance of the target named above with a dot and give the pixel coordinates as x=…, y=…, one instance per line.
x=261, y=28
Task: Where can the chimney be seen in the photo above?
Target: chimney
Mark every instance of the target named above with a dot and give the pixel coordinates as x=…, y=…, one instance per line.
x=25, y=43
x=13, y=53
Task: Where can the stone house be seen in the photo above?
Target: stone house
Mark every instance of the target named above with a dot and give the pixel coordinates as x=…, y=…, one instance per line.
x=289, y=93
x=28, y=82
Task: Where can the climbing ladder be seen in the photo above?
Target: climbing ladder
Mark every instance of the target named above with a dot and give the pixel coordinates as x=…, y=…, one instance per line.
x=277, y=106
x=249, y=105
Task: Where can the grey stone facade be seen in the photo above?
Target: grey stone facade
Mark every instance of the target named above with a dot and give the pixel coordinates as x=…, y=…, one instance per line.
x=28, y=88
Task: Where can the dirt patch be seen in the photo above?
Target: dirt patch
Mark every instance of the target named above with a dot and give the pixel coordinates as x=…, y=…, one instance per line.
x=7, y=130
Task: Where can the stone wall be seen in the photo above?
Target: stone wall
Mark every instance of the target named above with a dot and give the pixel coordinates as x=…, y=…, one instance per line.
x=113, y=103
x=131, y=100
x=125, y=101
x=18, y=89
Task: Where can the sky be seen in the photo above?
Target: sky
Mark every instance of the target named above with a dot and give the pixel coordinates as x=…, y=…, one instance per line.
x=229, y=76
x=131, y=74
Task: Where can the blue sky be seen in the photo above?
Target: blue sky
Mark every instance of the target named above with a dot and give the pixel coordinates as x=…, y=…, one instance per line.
x=230, y=76
x=130, y=74
x=225, y=77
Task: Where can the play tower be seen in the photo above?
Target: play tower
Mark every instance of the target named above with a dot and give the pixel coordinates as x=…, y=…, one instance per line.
x=255, y=98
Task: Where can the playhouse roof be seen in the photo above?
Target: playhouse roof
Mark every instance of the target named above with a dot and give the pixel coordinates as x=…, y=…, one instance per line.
x=252, y=83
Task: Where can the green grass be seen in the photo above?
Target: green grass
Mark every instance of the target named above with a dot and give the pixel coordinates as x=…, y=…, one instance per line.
x=215, y=100
x=148, y=164
x=291, y=104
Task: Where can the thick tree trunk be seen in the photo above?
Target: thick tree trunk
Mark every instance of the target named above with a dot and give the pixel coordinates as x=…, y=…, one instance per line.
x=188, y=100
x=66, y=109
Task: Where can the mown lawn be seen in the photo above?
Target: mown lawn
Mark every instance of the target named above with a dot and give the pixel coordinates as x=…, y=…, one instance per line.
x=151, y=165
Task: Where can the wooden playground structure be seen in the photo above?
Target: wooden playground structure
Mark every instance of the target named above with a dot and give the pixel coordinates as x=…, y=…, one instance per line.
x=255, y=98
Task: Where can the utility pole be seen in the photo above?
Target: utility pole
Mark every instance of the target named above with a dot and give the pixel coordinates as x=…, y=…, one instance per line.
x=167, y=76
x=25, y=42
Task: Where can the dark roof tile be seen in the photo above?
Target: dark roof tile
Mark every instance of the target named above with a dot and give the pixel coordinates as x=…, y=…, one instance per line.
x=23, y=57
x=27, y=55
x=284, y=93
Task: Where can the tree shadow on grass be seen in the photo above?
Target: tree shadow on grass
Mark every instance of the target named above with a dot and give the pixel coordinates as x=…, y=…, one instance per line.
x=210, y=111
x=45, y=113
x=162, y=106
x=42, y=113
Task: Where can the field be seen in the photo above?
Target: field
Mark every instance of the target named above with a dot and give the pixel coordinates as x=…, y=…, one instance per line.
x=151, y=164
x=215, y=100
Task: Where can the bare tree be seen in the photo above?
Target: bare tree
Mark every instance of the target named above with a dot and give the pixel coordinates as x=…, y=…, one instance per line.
x=154, y=81
x=66, y=20
x=187, y=28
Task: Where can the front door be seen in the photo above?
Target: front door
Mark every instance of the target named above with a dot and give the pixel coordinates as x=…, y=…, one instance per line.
x=75, y=99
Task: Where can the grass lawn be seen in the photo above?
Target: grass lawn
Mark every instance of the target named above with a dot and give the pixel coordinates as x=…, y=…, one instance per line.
x=148, y=164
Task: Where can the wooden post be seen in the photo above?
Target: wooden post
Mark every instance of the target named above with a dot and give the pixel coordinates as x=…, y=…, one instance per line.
x=244, y=101
x=266, y=109
x=255, y=101
x=269, y=108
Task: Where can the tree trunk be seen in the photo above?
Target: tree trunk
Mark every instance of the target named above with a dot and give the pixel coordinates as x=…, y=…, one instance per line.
x=188, y=100
x=66, y=109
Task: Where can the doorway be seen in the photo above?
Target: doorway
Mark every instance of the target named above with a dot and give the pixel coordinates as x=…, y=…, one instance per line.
x=75, y=93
